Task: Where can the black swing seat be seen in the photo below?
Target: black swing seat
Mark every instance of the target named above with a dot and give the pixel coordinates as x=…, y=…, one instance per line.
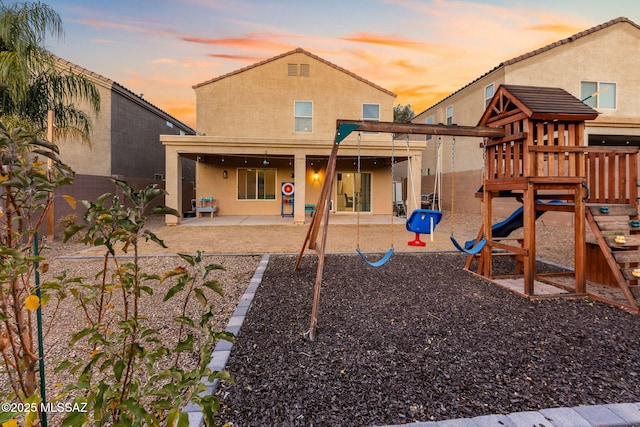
x=423, y=220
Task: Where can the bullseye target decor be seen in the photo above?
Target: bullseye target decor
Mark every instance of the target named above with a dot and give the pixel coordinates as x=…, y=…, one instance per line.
x=287, y=199
x=287, y=188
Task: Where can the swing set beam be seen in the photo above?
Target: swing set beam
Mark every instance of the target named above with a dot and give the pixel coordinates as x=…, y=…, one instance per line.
x=321, y=219
x=424, y=129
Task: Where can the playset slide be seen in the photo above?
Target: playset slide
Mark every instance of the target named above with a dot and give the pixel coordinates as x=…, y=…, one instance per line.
x=513, y=222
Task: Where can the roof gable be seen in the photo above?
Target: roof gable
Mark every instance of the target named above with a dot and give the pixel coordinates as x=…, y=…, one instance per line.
x=542, y=49
x=538, y=103
x=297, y=50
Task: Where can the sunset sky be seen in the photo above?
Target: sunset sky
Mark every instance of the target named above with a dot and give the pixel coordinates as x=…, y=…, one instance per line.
x=422, y=50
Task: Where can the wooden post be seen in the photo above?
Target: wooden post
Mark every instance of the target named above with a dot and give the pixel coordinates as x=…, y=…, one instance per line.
x=486, y=258
x=579, y=239
x=50, y=213
x=529, y=238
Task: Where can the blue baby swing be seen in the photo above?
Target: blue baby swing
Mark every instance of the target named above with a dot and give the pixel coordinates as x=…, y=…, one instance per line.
x=424, y=221
x=357, y=204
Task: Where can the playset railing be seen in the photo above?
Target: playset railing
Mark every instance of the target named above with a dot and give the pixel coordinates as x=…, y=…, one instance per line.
x=610, y=173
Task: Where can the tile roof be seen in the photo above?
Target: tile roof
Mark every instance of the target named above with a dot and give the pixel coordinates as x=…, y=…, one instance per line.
x=538, y=51
x=549, y=100
x=117, y=87
x=542, y=103
x=297, y=50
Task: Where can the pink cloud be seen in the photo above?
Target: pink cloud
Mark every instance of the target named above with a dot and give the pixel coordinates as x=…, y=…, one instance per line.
x=385, y=40
x=250, y=41
x=107, y=24
x=558, y=28
x=250, y=59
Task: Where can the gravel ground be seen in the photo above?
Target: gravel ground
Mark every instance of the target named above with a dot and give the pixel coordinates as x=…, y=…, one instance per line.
x=61, y=318
x=419, y=339
x=67, y=318
x=293, y=304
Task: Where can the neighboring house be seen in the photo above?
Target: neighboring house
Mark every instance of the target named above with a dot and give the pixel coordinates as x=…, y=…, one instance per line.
x=125, y=138
x=125, y=144
x=273, y=123
x=599, y=66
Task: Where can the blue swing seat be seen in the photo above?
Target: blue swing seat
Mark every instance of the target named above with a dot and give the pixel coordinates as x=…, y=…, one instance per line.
x=469, y=247
x=423, y=220
x=382, y=261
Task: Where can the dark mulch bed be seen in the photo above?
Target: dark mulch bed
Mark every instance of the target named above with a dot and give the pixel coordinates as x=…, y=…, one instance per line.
x=419, y=339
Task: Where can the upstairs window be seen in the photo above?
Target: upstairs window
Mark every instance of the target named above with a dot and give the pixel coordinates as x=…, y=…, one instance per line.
x=303, y=116
x=599, y=94
x=489, y=90
x=429, y=121
x=371, y=112
x=449, y=118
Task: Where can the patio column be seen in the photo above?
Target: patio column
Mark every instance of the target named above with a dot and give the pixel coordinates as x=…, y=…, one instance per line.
x=173, y=184
x=414, y=183
x=300, y=180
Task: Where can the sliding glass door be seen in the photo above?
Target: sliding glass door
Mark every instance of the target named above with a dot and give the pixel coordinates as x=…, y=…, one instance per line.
x=353, y=192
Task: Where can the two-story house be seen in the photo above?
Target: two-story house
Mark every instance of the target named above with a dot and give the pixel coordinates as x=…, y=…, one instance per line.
x=598, y=66
x=124, y=144
x=124, y=138
x=265, y=133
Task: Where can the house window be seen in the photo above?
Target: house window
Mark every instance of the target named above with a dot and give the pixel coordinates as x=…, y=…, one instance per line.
x=303, y=116
x=449, y=115
x=256, y=184
x=489, y=90
x=371, y=112
x=429, y=121
x=598, y=94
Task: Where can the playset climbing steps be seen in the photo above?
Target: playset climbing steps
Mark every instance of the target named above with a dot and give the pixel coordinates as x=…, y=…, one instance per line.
x=617, y=233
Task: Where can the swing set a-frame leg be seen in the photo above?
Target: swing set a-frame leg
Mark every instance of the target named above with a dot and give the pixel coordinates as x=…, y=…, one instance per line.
x=322, y=215
x=322, y=207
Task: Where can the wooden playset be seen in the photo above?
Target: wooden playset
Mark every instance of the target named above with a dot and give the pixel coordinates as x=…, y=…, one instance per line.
x=542, y=157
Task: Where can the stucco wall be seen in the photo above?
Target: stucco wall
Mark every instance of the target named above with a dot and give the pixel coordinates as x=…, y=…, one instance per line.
x=93, y=158
x=125, y=138
x=610, y=54
x=136, y=147
x=249, y=114
x=259, y=102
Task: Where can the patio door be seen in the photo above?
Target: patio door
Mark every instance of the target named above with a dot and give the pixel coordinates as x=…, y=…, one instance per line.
x=353, y=192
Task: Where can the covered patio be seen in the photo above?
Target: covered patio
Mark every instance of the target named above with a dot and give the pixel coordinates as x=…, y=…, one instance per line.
x=244, y=177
